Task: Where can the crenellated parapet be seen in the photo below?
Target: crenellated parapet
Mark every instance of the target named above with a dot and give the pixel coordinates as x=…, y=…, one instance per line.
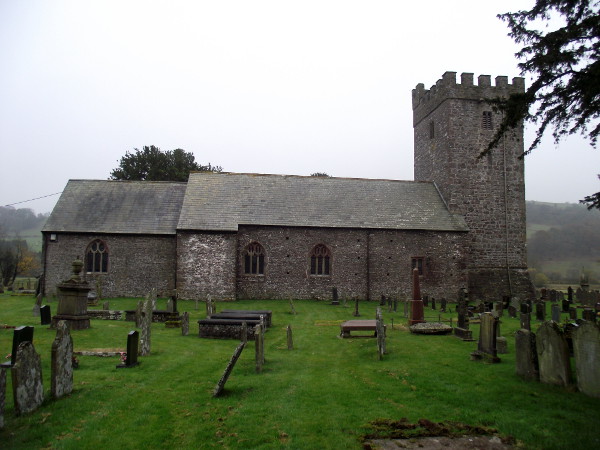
x=426, y=100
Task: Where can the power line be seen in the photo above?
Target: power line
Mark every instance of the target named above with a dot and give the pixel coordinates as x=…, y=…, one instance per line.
x=32, y=199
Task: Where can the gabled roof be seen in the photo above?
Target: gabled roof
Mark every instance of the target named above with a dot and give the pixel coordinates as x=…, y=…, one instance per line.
x=103, y=206
x=221, y=202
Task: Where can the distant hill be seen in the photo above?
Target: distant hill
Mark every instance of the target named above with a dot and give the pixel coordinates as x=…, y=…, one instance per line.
x=562, y=240
x=23, y=224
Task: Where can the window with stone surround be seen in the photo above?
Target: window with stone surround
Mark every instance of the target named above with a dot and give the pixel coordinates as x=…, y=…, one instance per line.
x=486, y=120
x=254, y=259
x=417, y=262
x=96, y=257
x=320, y=260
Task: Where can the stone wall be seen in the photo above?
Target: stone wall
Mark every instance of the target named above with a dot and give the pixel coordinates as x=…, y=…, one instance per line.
x=137, y=263
x=490, y=191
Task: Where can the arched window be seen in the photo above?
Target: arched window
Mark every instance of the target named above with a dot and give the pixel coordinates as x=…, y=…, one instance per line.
x=254, y=259
x=96, y=257
x=320, y=260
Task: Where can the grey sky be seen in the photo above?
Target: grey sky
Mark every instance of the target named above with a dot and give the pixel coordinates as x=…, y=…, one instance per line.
x=254, y=86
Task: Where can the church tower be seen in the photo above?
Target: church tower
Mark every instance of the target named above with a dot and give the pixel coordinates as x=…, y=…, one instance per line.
x=452, y=125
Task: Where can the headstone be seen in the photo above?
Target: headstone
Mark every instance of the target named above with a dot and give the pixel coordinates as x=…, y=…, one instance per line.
x=139, y=314
x=185, y=323
x=290, y=341
x=417, y=314
x=433, y=303
x=553, y=355
x=174, y=300
x=2, y=394
x=61, y=369
x=573, y=313
x=555, y=313
x=525, y=321
x=105, y=305
x=525, y=308
x=512, y=311
x=540, y=311
x=570, y=294
x=443, y=305
x=45, y=315
x=131, y=360
x=221, y=384
x=334, y=296
x=396, y=304
x=292, y=307
x=170, y=306
x=146, y=328
x=382, y=300
x=589, y=315
x=501, y=342
x=26, y=374
x=425, y=301
x=586, y=349
x=499, y=308
x=552, y=295
x=486, y=347
x=526, y=362
x=20, y=335
x=36, y=306
x=356, y=313
x=565, y=306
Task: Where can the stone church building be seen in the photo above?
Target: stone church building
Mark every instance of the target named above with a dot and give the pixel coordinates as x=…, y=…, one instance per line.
x=461, y=223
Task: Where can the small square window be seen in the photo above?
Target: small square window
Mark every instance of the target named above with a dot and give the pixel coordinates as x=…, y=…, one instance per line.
x=53, y=237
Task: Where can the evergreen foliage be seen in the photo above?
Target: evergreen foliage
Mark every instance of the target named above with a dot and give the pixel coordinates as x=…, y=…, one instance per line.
x=153, y=164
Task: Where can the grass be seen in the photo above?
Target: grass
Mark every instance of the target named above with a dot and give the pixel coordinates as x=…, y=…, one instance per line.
x=322, y=394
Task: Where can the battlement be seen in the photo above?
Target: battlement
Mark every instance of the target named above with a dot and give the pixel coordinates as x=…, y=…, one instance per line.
x=426, y=100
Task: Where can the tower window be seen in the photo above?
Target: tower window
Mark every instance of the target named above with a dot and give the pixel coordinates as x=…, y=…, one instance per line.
x=320, y=260
x=486, y=120
x=254, y=259
x=431, y=130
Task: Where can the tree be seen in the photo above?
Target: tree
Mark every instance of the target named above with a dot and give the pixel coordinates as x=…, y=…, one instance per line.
x=565, y=93
x=320, y=174
x=152, y=164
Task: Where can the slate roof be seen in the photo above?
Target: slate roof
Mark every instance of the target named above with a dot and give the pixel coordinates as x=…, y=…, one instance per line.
x=102, y=206
x=221, y=202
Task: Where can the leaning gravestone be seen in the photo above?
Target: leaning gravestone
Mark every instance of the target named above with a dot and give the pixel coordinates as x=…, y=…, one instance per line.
x=26, y=374
x=45, y=315
x=553, y=355
x=20, y=334
x=2, y=394
x=185, y=323
x=486, y=347
x=526, y=361
x=586, y=349
x=221, y=384
x=131, y=359
x=61, y=371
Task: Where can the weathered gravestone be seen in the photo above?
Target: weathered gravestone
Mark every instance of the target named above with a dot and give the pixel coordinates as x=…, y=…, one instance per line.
x=462, y=329
x=540, y=311
x=334, y=296
x=73, y=302
x=433, y=306
x=586, y=349
x=356, y=313
x=425, y=300
x=443, y=305
x=61, y=369
x=589, y=315
x=45, y=315
x=26, y=374
x=20, y=334
x=526, y=361
x=486, y=347
x=553, y=355
x=105, y=305
x=290, y=340
x=2, y=395
x=499, y=309
x=501, y=342
x=146, y=328
x=36, y=306
x=185, y=323
x=221, y=384
x=131, y=359
x=573, y=313
x=512, y=311
x=555, y=313
x=525, y=319
x=170, y=306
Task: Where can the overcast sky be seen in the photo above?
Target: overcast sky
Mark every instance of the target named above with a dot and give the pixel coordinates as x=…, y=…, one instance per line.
x=254, y=86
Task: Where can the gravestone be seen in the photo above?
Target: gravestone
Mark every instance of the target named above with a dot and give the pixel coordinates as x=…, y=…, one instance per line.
x=244, y=332
x=185, y=323
x=525, y=319
x=356, y=313
x=170, y=306
x=417, y=314
x=555, y=313
x=586, y=349
x=499, y=308
x=382, y=301
x=443, y=305
x=589, y=315
x=26, y=374
x=2, y=394
x=20, y=334
x=174, y=300
x=565, y=306
x=462, y=329
x=146, y=328
x=45, y=315
x=433, y=303
x=105, y=305
x=36, y=306
x=572, y=313
x=526, y=361
x=486, y=347
x=570, y=294
x=512, y=311
x=396, y=304
x=540, y=311
x=61, y=369
x=334, y=296
x=525, y=308
x=290, y=341
x=425, y=301
x=131, y=360
x=501, y=342
x=221, y=384
x=553, y=355
x=139, y=314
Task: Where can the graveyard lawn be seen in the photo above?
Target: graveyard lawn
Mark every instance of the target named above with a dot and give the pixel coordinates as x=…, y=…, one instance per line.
x=324, y=393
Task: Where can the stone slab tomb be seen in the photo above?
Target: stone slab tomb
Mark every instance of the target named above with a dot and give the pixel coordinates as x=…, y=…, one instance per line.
x=26, y=374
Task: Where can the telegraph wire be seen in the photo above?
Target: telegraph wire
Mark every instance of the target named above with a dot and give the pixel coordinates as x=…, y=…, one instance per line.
x=32, y=199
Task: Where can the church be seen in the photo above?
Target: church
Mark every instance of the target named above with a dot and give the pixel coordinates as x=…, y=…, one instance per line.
x=461, y=222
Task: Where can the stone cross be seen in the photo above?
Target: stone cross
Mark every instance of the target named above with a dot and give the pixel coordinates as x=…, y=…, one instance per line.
x=61, y=369
x=26, y=374
x=553, y=355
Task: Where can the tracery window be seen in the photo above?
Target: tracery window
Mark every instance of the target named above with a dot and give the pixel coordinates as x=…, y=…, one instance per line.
x=254, y=259
x=96, y=257
x=320, y=260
